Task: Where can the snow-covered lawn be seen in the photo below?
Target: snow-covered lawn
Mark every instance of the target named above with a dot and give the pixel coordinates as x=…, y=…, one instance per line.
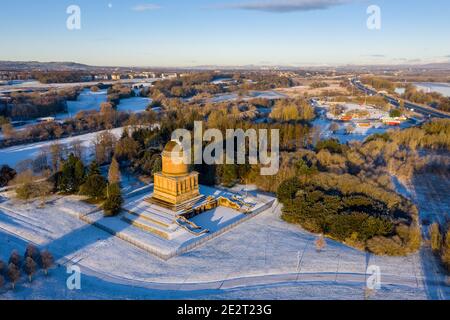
x=263, y=257
x=88, y=100
x=13, y=155
x=430, y=193
x=178, y=240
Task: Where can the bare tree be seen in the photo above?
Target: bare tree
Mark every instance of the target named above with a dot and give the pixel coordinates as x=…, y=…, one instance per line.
x=77, y=149
x=56, y=153
x=32, y=252
x=13, y=274
x=15, y=259
x=105, y=143
x=114, y=172
x=334, y=127
x=320, y=243
x=350, y=129
x=43, y=190
x=58, y=132
x=8, y=131
x=47, y=261
x=30, y=267
x=436, y=237
x=2, y=267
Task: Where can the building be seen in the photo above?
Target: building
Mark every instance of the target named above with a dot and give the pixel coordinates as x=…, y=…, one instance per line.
x=169, y=75
x=175, y=187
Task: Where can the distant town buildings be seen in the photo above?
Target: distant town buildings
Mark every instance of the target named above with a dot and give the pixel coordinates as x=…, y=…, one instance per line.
x=173, y=75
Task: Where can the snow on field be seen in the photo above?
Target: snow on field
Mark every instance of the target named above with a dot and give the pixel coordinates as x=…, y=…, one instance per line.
x=87, y=100
x=13, y=155
x=442, y=88
x=178, y=239
x=252, y=95
x=263, y=257
x=430, y=194
x=359, y=134
x=135, y=104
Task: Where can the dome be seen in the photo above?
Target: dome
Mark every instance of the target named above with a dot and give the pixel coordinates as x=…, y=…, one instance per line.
x=173, y=159
x=173, y=145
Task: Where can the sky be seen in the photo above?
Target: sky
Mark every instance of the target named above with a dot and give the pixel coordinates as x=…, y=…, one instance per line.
x=180, y=33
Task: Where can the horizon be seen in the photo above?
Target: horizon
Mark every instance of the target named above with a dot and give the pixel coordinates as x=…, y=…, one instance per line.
x=295, y=33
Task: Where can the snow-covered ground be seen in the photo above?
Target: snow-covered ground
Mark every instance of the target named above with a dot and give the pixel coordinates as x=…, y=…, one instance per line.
x=442, y=88
x=252, y=95
x=430, y=193
x=177, y=239
x=13, y=155
x=263, y=257
x=323, y=124
x=89, y=100
x=25, y=85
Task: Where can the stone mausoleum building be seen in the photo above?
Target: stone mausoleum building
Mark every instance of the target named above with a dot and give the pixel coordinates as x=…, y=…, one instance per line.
x=175, y=187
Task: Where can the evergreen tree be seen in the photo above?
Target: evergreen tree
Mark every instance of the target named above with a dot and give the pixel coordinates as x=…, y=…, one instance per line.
x=72, y=175
x=79, y=173
x=157, y=165
x=114, y=201
x=94, y=169
x=229, y=175
x=287, y=190
x=94, y=186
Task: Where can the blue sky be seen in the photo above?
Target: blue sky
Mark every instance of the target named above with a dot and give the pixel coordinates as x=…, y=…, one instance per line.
x=221, y=32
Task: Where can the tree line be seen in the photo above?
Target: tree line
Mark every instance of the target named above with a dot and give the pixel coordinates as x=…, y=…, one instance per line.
x=32, y=260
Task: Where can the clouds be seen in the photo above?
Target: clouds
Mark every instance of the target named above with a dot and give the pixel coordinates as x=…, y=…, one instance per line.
x=281, y=6
x=145, y=7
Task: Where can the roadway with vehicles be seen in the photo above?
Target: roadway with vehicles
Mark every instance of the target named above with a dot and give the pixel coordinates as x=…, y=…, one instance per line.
x=426, y=111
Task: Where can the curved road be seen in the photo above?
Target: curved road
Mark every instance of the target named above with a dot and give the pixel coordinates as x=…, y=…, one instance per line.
x=429, y=112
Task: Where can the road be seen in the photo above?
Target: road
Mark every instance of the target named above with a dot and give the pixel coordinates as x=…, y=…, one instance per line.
x=428, y=112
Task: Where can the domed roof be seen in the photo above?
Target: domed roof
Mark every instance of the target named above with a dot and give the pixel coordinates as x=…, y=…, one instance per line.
x=173, y=146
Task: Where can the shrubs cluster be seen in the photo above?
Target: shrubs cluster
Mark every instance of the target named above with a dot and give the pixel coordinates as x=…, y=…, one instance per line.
x=349, y=210
x=35, y=189
x=440, y=244
x=25, y=106
x=29, y=264
x=433, y=99
x=114, y=200
x=292, y=110
x=118, y=92
x=6, y=175
x=98, y=189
